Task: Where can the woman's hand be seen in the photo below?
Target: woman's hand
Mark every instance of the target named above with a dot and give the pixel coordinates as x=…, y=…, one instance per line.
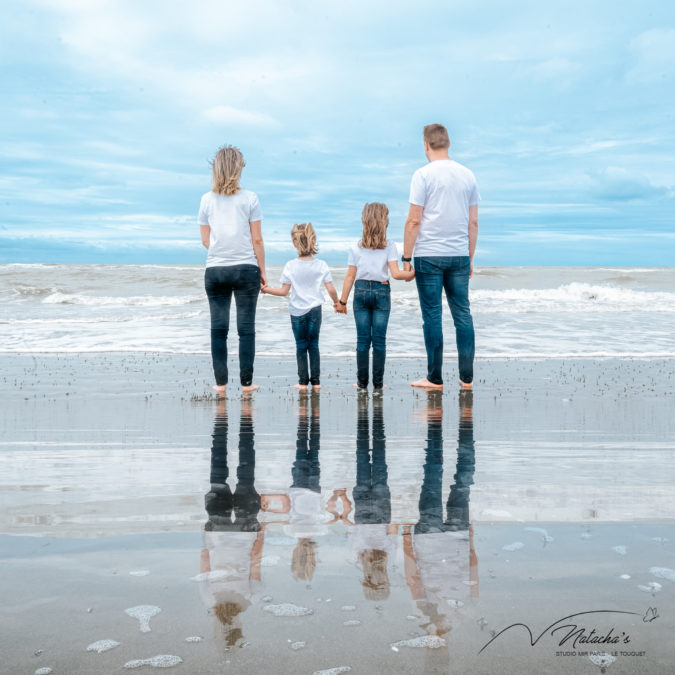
x=263, y=279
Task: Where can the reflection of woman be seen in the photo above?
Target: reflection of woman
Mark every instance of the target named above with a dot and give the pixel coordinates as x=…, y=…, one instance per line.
x=233, y=538
x=230, y=220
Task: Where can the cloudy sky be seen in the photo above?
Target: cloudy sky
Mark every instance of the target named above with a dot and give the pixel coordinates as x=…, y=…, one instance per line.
x=111, y=110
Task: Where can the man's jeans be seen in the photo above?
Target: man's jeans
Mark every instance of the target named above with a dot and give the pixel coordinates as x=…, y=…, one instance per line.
x=306, y=331
x=432, y=275
x=221, y=282
x=372, y=304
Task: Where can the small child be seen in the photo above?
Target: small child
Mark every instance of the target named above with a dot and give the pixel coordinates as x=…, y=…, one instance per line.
x=303, y=277
x=371, y=260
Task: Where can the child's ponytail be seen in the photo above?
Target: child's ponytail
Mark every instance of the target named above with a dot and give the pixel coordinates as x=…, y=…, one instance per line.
x=304, y=239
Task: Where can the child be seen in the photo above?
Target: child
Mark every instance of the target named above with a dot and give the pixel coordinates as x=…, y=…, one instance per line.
x=303, y=278
x=371, y=261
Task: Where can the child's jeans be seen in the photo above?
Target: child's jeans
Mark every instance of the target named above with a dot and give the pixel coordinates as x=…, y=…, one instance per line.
x=306, y=331
x=372, y=304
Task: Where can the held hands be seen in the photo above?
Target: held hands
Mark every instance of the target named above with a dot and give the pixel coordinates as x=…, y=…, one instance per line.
x=339, y=309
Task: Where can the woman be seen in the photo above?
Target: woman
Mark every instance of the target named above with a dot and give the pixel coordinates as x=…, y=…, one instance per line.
x=230, y=221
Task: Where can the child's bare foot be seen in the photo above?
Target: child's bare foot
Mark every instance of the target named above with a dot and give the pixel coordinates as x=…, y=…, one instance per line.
x=301, y=387
x=425, y=384
x=248, y=388
x=466, y=386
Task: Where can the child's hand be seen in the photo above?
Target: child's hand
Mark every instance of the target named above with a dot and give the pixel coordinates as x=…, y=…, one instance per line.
x=411, y=275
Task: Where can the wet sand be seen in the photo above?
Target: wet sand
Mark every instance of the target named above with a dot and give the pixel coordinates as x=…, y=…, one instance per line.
x=117, y=463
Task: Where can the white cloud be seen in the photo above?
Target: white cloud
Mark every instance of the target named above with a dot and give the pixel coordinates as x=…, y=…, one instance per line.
x=226, y=114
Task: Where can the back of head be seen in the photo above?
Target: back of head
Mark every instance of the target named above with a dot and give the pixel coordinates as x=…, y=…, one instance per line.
x=227, y=166
x=304, y=239
x=303, y=562
x=436, y=135
x=375, y=218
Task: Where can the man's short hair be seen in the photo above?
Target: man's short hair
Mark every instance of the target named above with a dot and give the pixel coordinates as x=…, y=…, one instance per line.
x=436, y=135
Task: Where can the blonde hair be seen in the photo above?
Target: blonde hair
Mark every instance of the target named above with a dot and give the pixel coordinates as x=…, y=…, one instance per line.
x=436, y=135
x=227, y=166
x=304, y=239
x=375, y=218
x=228, y=615
x=375, y=578
x=303, y=563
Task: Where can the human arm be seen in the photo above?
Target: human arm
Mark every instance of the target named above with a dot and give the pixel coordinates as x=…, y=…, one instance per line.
x=284, y=290
x=259, y=249
x=473, y=233
x=396, y=273
x=206, y=235
x=331, y=291
x=410, y=232
x=346, y=289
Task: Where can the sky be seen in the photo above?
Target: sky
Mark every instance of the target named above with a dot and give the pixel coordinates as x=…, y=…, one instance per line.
x=111, y=110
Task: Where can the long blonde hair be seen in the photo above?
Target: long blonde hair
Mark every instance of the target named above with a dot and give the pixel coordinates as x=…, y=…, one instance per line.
x=375, y=578
x=303, y=562
x=375, y=218
x=304, y=239
x=227, y=166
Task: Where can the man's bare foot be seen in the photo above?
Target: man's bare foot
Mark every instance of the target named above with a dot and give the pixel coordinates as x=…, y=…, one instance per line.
x=466, y=386
x=248, y=388
x=220, y=389
x=301, y=387
x=360, y=389
x=425, y=384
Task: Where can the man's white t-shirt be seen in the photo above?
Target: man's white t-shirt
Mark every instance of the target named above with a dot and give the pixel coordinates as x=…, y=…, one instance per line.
x=229, y=216
x=446, y=190
x=306, y=278
x=372, y=264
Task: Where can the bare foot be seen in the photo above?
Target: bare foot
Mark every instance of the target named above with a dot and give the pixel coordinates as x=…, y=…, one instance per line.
x=425, y=384
x=356, y=386
x=301, y=387
x=220, y=389
x=466, y=386
x=316, y=387
x=246, y=389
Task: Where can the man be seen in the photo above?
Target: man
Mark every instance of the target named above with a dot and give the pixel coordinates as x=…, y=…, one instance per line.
x=441, y=232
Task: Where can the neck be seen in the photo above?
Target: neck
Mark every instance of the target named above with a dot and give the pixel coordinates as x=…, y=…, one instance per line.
x=306, y=257
x=435, y=155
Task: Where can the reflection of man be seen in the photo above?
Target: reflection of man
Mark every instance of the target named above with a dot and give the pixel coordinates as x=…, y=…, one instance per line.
x=441, y=233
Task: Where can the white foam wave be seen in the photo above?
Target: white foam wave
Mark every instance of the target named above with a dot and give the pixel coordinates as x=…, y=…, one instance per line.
x=59, y=298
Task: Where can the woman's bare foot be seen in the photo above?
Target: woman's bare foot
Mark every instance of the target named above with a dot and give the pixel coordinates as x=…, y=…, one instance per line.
x=301, y=387
x=247, y=388
x=425, y=384
x=466, y=386
x=220, y=389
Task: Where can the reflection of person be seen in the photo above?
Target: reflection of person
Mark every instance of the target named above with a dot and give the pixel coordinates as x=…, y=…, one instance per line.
x=371, y=260
x=233, y=537
x=373, y=538
x=441, y=233
x=230, y=222
x=303, y=278
x=440, y=562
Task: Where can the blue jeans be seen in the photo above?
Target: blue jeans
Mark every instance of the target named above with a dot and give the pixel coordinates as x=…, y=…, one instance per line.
x=372, y=304
x=306, y=331
x=433, y=274
x=221, y=282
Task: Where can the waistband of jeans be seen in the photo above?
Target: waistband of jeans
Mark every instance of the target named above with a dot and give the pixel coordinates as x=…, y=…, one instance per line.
x=369, y=283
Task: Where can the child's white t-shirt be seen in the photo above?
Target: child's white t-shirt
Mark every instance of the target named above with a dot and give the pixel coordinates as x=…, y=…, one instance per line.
x=306, y=278
x=372, y=264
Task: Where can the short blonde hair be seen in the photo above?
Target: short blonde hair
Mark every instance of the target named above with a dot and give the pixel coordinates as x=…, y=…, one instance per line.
x=436, y=135
x=375, y=218
x=304, y=239
x=227, y=166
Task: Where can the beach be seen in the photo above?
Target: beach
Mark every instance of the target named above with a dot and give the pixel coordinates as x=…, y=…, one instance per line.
x=525, y=528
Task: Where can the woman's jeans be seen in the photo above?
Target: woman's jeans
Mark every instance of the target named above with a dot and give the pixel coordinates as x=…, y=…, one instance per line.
x=306, y=331
x=434, y=274
x=372, y=305
x=244, y=282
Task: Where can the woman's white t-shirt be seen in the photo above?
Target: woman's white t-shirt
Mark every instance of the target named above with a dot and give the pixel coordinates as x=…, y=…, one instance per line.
x=229, y=216
x=372, y=264
x=306, y=278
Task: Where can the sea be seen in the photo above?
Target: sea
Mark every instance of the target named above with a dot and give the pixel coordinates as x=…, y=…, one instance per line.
x=519, y=312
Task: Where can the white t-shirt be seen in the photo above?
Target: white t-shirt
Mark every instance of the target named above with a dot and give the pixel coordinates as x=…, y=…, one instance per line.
x=229, y=216
x=306, y=278
x=446, y=190
x=372, y=264
x=307, y=517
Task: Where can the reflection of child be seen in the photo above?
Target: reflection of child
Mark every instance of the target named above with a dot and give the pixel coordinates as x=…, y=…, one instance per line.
x=303, y=278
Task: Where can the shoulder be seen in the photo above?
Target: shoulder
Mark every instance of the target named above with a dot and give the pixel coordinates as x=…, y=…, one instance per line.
x=464, y=170
x=247, y=195
x=207, y=197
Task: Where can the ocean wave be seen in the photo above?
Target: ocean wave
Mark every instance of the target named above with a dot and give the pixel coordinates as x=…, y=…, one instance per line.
x=59, y=298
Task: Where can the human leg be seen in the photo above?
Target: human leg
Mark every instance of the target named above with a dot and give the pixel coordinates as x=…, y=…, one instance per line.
x=219, y=292
x=313, y=330
x=363, y=319
x=299, y=326
x=246, y=298
x=429, y=280
x=380, y=321
x=456, y=284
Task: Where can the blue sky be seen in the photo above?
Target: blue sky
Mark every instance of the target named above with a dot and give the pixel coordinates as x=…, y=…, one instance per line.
x=111, y=110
